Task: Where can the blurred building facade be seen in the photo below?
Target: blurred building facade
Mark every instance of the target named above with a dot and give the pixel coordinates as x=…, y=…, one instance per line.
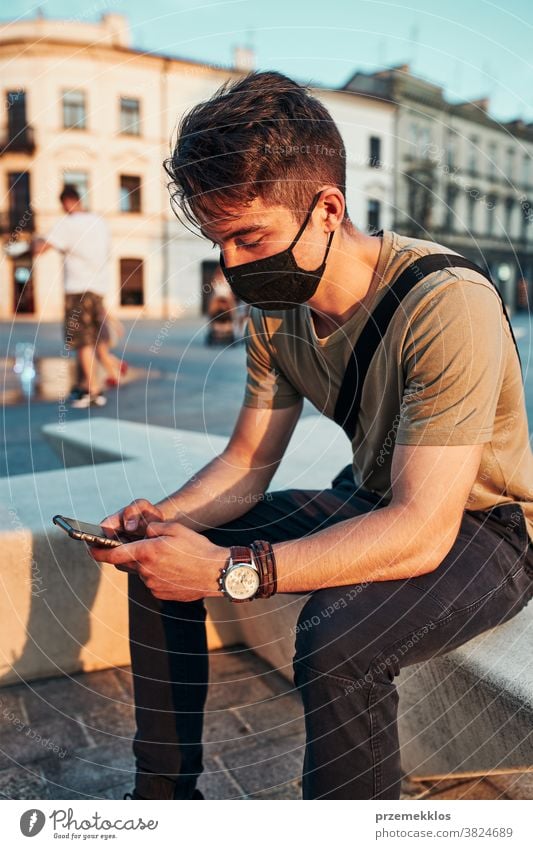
x=82, y=106
x=461, y=178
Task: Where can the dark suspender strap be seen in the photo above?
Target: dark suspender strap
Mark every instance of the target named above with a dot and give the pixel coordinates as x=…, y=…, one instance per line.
x=349, y=399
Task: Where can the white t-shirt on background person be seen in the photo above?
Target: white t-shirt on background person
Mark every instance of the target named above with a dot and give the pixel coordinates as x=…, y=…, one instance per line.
x=84, y=240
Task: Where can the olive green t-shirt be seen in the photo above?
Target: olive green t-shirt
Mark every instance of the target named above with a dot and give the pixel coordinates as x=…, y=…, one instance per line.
x=446, y=373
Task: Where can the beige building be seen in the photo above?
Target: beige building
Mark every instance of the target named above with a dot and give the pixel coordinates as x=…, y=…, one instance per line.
x=83, y=106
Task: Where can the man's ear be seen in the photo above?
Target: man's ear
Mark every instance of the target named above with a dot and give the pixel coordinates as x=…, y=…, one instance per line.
x=332, y=208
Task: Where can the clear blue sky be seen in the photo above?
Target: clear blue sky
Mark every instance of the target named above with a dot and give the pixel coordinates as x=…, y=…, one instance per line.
x=471, y=47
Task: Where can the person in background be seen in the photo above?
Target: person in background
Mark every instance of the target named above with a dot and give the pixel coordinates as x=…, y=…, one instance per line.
x=221, y=311
x=111, y=332
x=84, y=240
x=240, y=310
x=243, y=311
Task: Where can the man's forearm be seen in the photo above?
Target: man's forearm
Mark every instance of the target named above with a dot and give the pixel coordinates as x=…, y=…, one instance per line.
x=39, y=246
x=387, y=544
x=219, y=492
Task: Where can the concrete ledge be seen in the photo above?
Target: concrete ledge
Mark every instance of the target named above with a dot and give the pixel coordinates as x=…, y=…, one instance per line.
x=471, y=710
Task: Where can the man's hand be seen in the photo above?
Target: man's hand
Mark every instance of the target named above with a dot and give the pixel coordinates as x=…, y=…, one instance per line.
x=40, y=246
x=175, y=563
x=134, y=518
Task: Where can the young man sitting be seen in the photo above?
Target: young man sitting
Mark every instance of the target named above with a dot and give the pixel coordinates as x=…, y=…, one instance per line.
x=426, y=535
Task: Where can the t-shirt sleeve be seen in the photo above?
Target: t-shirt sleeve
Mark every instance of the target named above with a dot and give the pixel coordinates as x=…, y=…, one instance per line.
x=453, y=361
x=58, y=236
x=266, y=385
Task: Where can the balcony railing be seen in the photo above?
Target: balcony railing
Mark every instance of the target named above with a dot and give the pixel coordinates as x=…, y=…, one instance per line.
x=17, y=221
x=21, y=141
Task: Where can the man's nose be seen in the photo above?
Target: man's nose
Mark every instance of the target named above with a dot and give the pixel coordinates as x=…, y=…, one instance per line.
x=229, y=256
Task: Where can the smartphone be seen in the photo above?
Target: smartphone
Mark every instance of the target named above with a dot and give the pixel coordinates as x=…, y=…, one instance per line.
x=92, y=534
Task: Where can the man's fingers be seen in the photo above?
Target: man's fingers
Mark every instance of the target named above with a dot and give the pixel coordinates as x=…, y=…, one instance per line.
x=112, y=523
x=130, y=517
x=126, y=553
x=139, y=513
x=164, y=529
x=156, y=529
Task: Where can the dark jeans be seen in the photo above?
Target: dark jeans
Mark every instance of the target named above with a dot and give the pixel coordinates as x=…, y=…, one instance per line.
x=351, y=642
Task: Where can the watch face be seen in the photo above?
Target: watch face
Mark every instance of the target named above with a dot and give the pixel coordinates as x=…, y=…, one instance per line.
x=242, y=581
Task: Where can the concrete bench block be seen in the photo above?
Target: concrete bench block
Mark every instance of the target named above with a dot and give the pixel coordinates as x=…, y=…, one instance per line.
x=471, y=709
x=61, y=612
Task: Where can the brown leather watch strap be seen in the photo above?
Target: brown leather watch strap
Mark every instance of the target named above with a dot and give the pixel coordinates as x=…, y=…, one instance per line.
x=262, y=565
x=272, y=569
x=242, y=554
x=265, y=555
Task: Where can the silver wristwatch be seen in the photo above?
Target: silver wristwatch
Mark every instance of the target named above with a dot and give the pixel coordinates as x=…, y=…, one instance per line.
x=239, y=579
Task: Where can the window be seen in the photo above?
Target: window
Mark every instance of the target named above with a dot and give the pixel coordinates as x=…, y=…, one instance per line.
x=130, y=116
x=420, y=140
x=23, y=294
x=131, y=282
x=451, y=150
x=525, y=169
x=471, y=212
x=491, y=210
x=130, y=193
x=373, y=215
x=492, y=156
x=510, y=163
x=424, y=142
x=19, y=135
x=451, y=195
x=375, y=152
x=16, y=113
x=413, y=138
x=80, y=181
x=473, y=154
x=526, y=208
x=74, y=112
x=19, y=200
x=509, y=207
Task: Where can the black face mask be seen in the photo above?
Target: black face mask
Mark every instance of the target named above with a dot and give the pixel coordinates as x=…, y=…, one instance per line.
x=264, y=282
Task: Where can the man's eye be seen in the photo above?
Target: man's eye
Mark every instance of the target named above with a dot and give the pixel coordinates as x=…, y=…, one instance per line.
x=249, y=244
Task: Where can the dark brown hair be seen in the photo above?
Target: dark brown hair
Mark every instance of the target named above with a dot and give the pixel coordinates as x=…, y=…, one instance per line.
x=261, y=136
x=69, y=191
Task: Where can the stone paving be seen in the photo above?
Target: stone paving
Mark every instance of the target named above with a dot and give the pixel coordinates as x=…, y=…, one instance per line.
x=70, y=738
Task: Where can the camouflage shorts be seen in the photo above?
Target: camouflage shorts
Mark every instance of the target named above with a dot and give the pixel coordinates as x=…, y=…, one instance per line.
x=84, y=313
